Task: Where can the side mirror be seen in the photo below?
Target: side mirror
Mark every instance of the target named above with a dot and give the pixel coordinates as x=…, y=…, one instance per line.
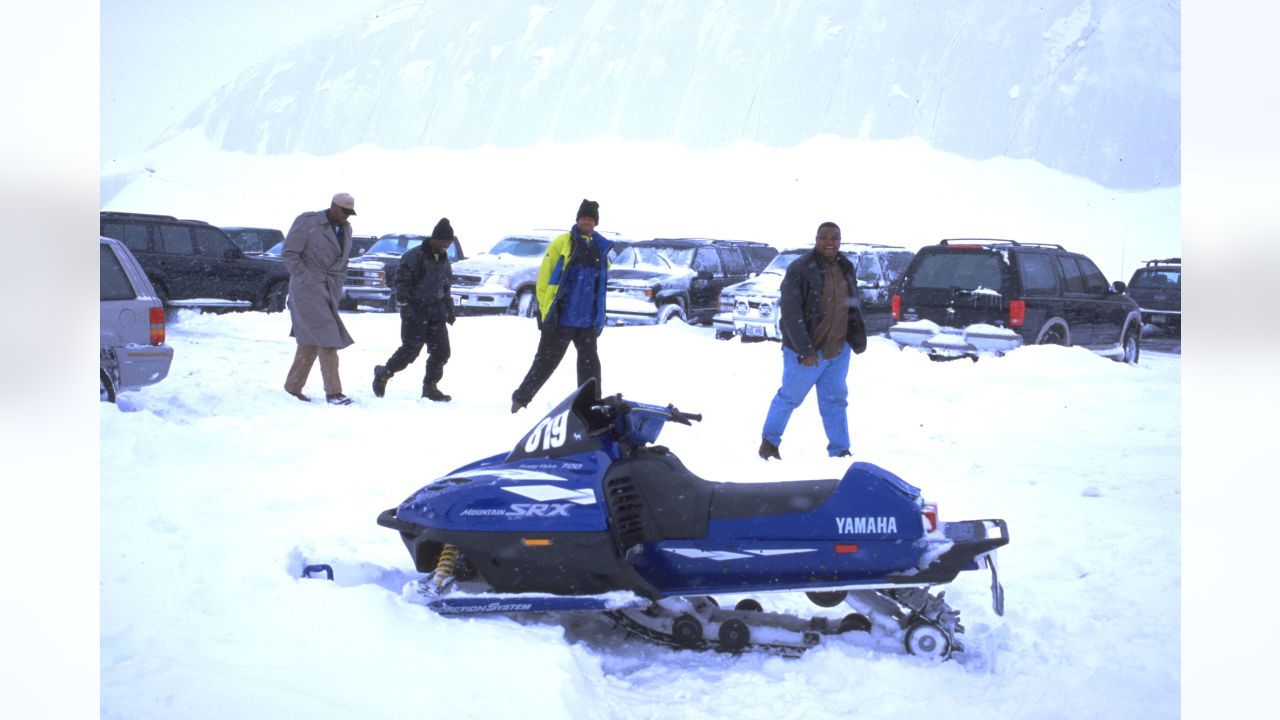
x=705, y=275
x=233, y=253
x=1119, y=286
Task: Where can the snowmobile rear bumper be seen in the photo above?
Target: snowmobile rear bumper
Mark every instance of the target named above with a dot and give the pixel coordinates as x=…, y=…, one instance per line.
x=970, y=539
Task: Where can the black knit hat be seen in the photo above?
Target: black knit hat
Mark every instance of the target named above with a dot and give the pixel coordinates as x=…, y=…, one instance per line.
x=589, y=208
x=443, y=231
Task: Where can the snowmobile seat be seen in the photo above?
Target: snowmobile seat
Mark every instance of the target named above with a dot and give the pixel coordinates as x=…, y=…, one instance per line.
x=737, y=500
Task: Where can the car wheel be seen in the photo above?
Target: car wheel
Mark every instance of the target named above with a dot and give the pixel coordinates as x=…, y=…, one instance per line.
x=526, y=304
x=1132, y=345
x=106, y=388
x=274, y=299
x=1053, y=335
x=669, y=312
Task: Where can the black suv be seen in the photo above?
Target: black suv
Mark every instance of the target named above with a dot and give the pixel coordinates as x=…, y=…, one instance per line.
x=965, y=298
x=654, y=281
x=190, y=259
x=1157, y=288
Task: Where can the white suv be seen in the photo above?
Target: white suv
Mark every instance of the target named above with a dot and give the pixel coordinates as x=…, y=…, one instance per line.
x=751, y=309
x=504, y=279
x=132, y=350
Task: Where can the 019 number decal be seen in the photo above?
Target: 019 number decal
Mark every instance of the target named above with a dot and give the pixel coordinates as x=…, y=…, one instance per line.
x=552, y=432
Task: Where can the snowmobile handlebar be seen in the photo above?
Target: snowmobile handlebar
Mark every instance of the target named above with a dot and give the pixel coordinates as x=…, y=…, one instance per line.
x=614, y=406
x=683, y=418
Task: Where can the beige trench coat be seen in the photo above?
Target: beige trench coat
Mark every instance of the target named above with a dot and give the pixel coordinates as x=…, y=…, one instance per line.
x=317, y=265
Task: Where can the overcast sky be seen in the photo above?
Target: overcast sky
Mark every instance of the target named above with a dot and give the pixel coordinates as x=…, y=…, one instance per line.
x=161, y=59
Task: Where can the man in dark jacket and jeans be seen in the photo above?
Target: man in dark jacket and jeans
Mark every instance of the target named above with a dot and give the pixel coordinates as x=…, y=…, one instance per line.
x=572, y=284
x=820, y=323
x=424, y=279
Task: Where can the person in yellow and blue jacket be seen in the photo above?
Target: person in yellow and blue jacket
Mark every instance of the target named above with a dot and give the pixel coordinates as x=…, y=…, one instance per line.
x=572, y=283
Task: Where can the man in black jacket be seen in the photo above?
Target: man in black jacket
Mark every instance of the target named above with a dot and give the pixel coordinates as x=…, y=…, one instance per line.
x=820, y=323
x=423, y=283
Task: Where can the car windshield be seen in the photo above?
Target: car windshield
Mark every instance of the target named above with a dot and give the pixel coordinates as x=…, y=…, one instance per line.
x=520, y=247
x=780, y=262
x=965, y=270
x=276, y=249
x=1157, y=280
x=661, y=258
x=778, y=265
x=395, y=244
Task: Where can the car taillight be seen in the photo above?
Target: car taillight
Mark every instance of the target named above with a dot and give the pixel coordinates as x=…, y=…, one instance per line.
x=1017, y=312
x=930, y=512
x=897, y=307
x=157, y=325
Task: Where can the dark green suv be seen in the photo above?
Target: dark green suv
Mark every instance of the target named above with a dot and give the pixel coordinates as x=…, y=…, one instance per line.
x=968, y=298
x=193, y=263
x=1157, y=288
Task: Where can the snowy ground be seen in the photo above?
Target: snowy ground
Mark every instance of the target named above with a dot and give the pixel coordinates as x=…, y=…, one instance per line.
x=216, y=488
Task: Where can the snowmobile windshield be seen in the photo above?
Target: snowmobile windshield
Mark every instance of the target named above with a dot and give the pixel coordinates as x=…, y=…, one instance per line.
x=572, y=427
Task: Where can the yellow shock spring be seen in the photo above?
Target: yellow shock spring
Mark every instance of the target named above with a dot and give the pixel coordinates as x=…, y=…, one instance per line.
x=445, y=566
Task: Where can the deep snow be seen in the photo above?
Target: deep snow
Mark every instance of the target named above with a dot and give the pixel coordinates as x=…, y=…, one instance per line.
x=217, y=487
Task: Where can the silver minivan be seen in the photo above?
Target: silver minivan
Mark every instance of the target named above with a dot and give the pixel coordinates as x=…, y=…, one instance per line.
x=133, y=352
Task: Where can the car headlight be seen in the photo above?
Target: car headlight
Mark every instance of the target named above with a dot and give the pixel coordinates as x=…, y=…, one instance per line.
x=499, y=279
x=639, y=293
x=741, y=308
x=766, y=309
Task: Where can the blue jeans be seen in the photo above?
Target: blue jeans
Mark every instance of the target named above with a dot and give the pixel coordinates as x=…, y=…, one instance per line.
x=833, y=397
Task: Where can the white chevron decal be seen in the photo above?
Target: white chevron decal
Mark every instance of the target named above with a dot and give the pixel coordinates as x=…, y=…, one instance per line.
x=517, y=474
x=547, y=493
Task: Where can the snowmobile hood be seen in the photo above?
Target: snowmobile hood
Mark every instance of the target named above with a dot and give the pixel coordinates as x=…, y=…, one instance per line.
x=543, y=495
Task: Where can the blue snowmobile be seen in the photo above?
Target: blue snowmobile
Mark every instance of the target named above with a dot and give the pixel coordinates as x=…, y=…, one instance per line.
x=586, y=514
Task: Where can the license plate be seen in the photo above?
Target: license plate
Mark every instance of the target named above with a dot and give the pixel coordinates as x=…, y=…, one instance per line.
x=457, y=299
x=755, y=330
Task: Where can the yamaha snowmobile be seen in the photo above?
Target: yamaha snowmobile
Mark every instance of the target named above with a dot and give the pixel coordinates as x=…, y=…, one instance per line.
x=586, y=514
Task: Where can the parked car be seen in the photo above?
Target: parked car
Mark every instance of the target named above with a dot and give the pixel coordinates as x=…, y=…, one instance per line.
x=190, y=260
x=360, y=244
x=973, y=297
x=503, y=280
x=366, y=282
x=388, y=250
x=132, y=351
x=1157, y=288
x=655, y=281
x=752, y=311
x=254, y=241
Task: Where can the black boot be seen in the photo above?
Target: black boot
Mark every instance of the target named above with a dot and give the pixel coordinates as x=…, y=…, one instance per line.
x=768, y=450
x=380, y=378
x=431, y=392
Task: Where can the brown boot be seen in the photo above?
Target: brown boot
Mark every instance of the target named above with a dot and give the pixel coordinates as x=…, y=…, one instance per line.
x=431, y=392
x=768, y=450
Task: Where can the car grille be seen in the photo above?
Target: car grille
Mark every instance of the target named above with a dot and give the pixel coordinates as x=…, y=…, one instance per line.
x=466, y=280
x=360, y=277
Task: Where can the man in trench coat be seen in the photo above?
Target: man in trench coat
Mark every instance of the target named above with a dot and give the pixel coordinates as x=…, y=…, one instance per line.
x=315, y=253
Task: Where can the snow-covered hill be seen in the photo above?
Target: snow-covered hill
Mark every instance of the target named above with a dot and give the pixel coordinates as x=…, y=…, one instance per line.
x=1089, y=87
